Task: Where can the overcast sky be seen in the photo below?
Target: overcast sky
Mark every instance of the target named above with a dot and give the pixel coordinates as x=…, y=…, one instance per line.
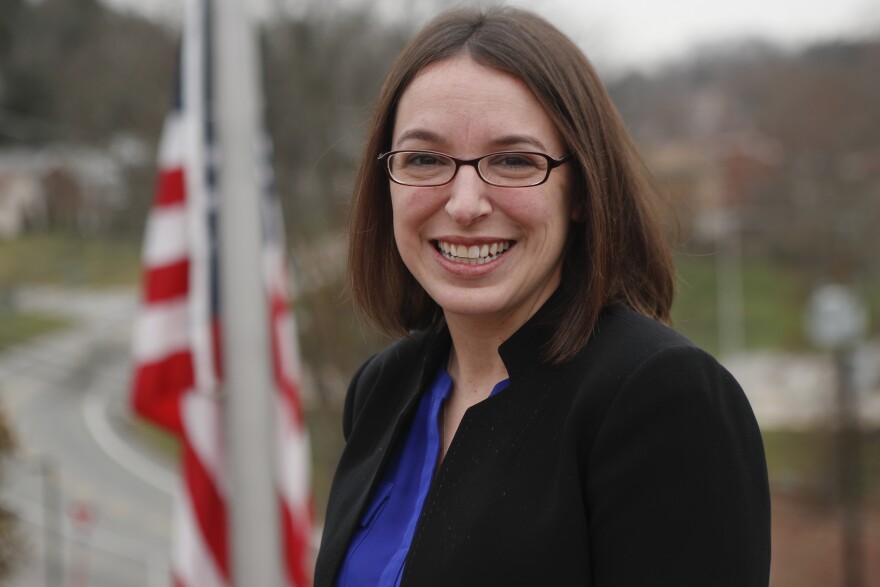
x=642, y=33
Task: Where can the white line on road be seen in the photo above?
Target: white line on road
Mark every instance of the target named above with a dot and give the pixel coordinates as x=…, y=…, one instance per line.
x=94, y=410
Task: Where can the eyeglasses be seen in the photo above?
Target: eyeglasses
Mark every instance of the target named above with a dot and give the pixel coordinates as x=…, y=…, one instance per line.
x=508, y=169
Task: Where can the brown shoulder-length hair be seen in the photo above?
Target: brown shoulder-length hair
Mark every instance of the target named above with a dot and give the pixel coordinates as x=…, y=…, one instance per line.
x=617, y=250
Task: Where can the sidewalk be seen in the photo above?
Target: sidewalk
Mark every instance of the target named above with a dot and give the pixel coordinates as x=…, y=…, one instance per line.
x=798, y=391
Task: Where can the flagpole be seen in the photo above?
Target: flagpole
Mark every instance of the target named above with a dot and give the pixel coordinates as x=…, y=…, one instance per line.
x=247, y=381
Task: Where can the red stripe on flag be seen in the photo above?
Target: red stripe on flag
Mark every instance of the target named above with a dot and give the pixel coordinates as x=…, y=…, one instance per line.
x=172, y=188
x=296, y=522
x=296, y=547
x=209, y=508
x=288, y=389
x=158, y=388
x=166, y=282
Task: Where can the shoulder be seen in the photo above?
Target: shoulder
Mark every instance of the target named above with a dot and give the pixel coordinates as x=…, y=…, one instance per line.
x=385, y=372
x=397, y=359
x=622, y=330
x=677, y=447
x=398, y=355
x=647, y=348
x=651, y=363
x=637, y=374
x=670, y=402
x=622, y=342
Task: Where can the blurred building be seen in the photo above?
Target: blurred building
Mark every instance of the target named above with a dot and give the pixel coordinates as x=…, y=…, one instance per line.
x=718, y=183
x=22, y=204
x=58, y=188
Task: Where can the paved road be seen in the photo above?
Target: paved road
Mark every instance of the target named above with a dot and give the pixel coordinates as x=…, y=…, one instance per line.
x=64, y=395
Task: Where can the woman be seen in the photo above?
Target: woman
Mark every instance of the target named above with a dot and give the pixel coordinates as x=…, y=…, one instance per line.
x=538, y=424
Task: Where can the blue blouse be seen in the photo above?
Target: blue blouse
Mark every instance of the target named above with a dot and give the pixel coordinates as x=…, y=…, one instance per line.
x=379, y=546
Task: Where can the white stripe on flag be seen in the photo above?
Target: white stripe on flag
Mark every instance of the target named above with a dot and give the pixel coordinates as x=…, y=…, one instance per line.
x=288, y=347
x=160, y=330
x=293, y=458
x=173, y=147
x=166, y=239
x=273, y=263
x=201, y=419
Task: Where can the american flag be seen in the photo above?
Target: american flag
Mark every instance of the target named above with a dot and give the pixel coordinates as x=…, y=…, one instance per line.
x=178, y=335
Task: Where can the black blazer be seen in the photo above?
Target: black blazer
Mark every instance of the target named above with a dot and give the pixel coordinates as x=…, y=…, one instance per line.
x=638, y=463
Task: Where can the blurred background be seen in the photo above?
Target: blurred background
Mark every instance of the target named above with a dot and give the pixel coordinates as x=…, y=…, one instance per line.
x=760, y=121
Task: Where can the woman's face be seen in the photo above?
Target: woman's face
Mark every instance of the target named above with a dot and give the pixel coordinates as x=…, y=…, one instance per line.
x=463, y=109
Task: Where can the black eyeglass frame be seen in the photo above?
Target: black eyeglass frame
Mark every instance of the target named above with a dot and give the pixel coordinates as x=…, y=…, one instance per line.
x=552, y=163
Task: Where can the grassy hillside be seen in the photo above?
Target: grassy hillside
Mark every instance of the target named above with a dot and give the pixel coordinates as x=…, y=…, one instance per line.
x=68, y=260
x=20, y=327
x=773, y=301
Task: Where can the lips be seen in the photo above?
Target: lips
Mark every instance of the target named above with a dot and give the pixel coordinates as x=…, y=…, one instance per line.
x=472, y=254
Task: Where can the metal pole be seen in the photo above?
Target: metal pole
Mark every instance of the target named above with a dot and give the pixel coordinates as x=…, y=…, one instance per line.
x=729, y=284
x=51, y=522
x=849, y=461
x=837, y=320
x=254, y=525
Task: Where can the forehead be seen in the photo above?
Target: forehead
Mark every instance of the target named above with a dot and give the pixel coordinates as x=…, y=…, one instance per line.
x=457, y=102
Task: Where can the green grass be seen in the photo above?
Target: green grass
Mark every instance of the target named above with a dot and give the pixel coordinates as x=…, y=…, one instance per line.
x=160, y=440
x=772, y=300
x=69, y=261
x=16, y=327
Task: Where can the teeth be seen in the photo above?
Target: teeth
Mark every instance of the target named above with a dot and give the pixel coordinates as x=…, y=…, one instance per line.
x=474, y=254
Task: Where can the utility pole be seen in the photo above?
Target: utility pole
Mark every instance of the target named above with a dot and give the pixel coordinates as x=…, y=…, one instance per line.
x=51, y=521
x=848, y=463
x=254, y=525
x=729, y=283
x=836, y=320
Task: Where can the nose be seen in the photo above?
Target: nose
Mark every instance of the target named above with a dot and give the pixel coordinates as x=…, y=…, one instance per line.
x=467, y=197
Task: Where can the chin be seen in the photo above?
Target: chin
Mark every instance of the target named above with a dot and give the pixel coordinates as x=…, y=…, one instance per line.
x=472, y=303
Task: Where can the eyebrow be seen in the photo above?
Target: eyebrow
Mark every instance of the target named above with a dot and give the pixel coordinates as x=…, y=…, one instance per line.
x=419, y=134
x=511, y=140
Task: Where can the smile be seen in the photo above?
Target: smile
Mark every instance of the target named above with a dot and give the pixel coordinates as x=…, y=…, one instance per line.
x=473, y=254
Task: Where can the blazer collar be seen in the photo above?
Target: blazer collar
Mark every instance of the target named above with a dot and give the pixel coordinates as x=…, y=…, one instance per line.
x=522, y=356
x=523, y=352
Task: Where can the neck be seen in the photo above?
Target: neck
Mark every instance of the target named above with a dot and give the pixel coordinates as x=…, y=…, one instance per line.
x=474, y=364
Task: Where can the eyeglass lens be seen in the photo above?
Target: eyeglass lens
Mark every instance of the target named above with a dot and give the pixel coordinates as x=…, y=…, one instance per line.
x=513, y=169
